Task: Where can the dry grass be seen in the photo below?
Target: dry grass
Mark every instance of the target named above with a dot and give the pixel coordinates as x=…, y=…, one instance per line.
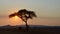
x=31, y=31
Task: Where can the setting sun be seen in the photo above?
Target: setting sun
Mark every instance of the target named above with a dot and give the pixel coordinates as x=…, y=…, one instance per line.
x=15, y=20
x=16, y=17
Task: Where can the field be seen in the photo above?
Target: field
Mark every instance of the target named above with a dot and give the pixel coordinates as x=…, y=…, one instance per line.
x=32, y=30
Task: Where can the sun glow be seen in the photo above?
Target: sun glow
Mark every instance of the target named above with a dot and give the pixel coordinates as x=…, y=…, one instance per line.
x=15, y=20
x=16, y=17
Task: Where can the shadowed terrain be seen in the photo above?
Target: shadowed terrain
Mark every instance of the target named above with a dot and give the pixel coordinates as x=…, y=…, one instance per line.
x=33, y=29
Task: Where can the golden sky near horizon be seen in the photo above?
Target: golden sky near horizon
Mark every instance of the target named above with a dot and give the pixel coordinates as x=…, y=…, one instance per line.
x=43, y=9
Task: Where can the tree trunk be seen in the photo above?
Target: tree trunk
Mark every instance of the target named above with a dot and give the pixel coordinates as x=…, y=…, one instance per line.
x=27, y=27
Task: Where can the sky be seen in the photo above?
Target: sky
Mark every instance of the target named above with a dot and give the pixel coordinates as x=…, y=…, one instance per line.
x=43, y=8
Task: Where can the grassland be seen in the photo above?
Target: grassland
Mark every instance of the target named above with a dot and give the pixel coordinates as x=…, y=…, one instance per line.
x=32, y=30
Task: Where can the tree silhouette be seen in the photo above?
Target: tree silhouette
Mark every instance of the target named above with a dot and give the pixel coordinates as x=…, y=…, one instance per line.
x=24, y=15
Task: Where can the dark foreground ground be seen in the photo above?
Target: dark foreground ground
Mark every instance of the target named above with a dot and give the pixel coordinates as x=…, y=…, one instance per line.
x=32, y=30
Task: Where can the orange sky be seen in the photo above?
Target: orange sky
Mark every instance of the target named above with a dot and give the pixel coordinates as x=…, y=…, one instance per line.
x=47, y=11
x=36, y=21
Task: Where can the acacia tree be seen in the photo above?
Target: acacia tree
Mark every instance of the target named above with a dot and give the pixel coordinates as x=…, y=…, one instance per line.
x=24, y=15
